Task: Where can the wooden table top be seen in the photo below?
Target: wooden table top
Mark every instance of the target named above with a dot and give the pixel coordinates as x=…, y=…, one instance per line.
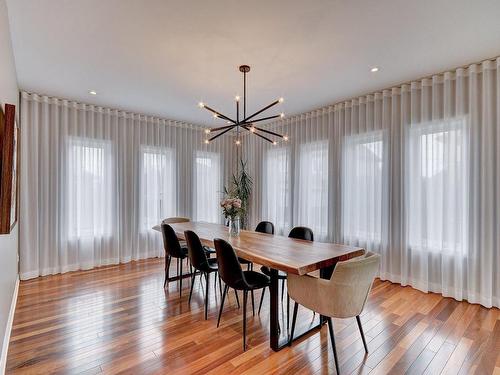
x=278, y=252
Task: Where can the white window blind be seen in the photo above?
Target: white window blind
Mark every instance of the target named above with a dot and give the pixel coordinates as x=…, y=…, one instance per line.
x=438, y=187
x=207, y=187
x=158, y=199
x=312, y=198
x=363, y=167
x=89, y=188
x=276, y=188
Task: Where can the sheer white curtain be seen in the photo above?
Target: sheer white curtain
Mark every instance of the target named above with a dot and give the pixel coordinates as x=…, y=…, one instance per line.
x=208, y=187
x=158, y=190
x=95, y=180
x=438, y=203
x=312, y=182
x=413, y=173
x=364, y=171
x=276, y=189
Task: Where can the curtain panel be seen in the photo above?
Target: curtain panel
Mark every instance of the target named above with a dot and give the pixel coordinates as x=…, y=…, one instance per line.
x=412, y=173
x=95, y=180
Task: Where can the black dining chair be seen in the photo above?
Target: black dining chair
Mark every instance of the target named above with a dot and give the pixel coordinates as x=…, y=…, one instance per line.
x=234, y=277
x=201, y=263
x=299, y=233
x=173, y=249
x=265, y=227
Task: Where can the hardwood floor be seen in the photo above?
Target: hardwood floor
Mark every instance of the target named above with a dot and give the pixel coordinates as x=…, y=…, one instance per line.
x=118, y=319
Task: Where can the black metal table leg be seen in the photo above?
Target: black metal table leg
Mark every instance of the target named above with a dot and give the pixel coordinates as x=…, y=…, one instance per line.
x=325, y=273
x=274, y=330
x=275, y=342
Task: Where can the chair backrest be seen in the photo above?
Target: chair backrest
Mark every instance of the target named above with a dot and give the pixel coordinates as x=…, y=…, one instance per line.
x=229, y=267
x=176, y=219
x=196, y=252
x=351, y=282
x=170, y=241
x=302, y=233
x=265, y=227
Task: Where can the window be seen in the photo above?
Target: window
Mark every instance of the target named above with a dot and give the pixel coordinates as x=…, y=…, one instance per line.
x=438, y=187
x=89, y=185
x=313, y=188
x=207, y=187
x=276, y=188
x=363, y=165
x=158, y=198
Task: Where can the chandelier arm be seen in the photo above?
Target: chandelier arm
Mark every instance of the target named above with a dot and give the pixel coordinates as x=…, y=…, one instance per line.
x=260, y=119
x=222, y=128
x=221, y=133
x=262, y=110
x=268, y=132
x=219, y=114
x=259, y=135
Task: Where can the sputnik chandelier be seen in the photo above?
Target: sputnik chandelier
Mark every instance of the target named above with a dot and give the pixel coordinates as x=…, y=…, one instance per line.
x=247, y=122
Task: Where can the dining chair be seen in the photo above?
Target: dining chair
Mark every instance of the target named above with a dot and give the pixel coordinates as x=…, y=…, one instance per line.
x=342, y=296
x=201, y=263
x=265, y=227
x=173, y=249
x=233, y=276
x=300, y=233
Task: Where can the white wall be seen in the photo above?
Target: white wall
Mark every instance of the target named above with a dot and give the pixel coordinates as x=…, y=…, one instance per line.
x=8, y=243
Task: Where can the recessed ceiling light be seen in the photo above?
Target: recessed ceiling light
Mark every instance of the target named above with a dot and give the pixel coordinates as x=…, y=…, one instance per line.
x=92, y=92
x=374, y=69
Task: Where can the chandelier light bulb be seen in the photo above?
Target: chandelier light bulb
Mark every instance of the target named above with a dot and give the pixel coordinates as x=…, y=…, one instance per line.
x=275, y=143
x=237, y=98
x=215, y=115
x=281, y=100
x=252, y=129
x=285, y=138
x=207, y=131
x=207, y=141
x=374, y=69
x=201, y=105
x=282, y=115
x=238, y=142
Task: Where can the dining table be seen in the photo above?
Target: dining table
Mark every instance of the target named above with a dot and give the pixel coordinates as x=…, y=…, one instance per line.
x=279, y=253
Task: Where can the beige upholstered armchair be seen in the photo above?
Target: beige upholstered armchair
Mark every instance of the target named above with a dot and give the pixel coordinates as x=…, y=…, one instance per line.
x=343, y=296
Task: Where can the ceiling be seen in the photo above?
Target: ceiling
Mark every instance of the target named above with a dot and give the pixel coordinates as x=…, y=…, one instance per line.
x=162, y=57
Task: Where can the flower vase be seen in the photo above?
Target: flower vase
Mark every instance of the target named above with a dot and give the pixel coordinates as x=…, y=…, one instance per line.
x=234, y=227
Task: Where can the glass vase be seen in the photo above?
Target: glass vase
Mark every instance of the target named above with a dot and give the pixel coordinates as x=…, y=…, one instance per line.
x=234, y=227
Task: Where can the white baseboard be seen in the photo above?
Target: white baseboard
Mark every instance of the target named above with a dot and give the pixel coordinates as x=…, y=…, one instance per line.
x=8, y=329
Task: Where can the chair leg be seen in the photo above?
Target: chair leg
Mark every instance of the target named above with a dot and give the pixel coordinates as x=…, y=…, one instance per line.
x=282, y=289
x=261, y=300
x=294, y=319
x=220, y=284
x=206, y=295
x=168, y=260
x=245, y=298
x=332, y=338
x=362, y=333
x=222, y=304
x=237, y=298
x=287, y=311
x=180, y=280
x=192, y=284
x=253, y=304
